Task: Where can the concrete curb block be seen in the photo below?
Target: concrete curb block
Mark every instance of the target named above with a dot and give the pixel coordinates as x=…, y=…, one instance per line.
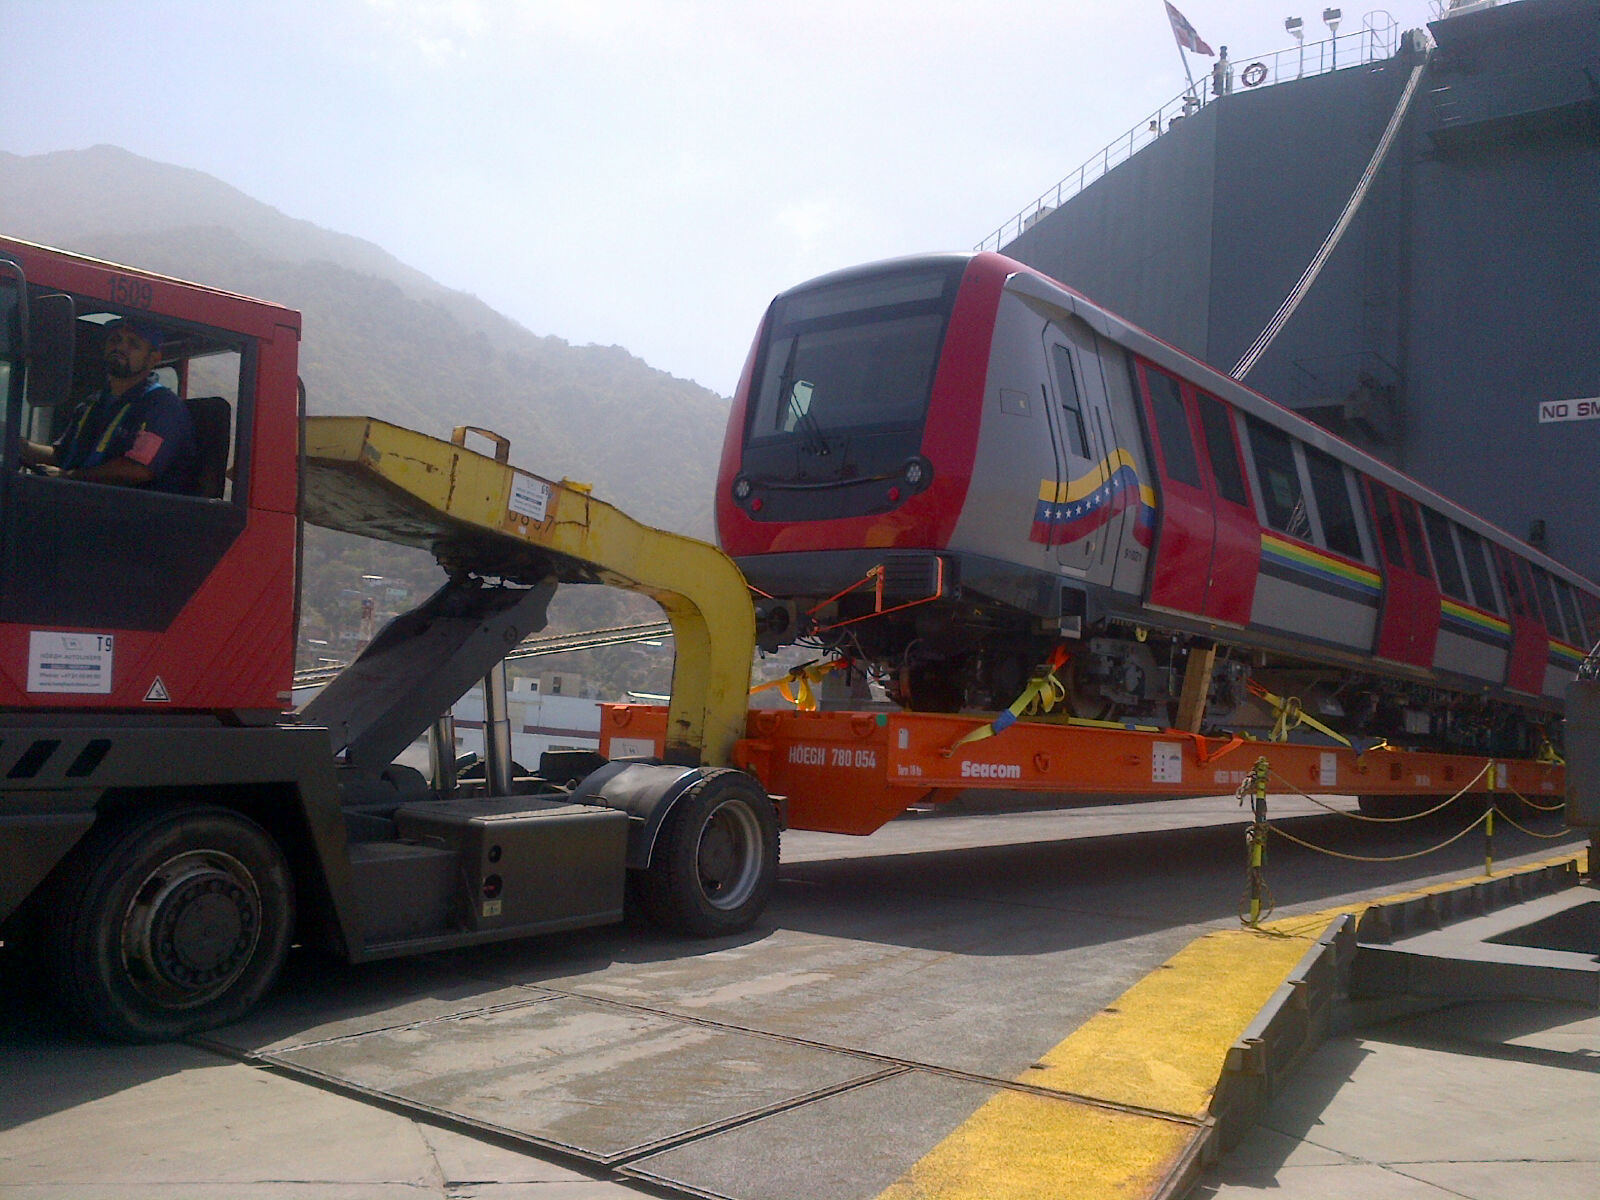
x=1314, y=1000
x=1383, y=922
x=1292, y=1024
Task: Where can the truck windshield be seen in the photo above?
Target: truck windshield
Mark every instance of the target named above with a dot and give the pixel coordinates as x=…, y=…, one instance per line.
x=857, y=355
x=10, y=331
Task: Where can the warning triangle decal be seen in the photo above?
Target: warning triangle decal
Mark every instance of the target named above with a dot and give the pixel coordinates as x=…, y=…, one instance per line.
x=157, y=693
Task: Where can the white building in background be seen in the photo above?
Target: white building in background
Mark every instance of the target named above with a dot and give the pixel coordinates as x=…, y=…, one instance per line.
x=553, y=711
x=556, y=710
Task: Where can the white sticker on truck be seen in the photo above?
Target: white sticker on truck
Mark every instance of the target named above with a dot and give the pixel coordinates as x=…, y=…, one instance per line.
x=530, y=497
x=631, y=748
x=79, y=663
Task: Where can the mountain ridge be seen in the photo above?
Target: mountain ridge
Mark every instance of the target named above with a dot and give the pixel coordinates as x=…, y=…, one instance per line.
x=383, y=338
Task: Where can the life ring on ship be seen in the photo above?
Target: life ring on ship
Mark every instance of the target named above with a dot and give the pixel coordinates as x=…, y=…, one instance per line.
x=1254, y=75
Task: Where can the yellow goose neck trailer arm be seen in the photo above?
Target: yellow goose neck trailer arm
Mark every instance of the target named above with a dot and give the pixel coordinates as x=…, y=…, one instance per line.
x=480, y=516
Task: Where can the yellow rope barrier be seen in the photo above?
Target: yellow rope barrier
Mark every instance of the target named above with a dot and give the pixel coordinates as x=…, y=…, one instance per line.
x=1549, y=837
x=1535, y=805
x=1294, y=791
x=1384, y=858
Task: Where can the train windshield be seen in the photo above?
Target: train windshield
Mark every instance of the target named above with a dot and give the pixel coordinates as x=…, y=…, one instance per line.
x=855, y=356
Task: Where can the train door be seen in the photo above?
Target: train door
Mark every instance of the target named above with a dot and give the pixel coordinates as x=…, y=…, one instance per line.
x=1530, y=640
x=1408, y=619
x=1236, y=547
x=1209, y=546
x=1082, y=517
x=1182, y=566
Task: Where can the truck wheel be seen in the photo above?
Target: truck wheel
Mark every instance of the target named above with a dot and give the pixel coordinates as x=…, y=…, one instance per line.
x=170, y=923
x=716, y=858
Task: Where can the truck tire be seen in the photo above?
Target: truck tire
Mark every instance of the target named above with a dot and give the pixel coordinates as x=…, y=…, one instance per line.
x=715, y=861
x=170, y=922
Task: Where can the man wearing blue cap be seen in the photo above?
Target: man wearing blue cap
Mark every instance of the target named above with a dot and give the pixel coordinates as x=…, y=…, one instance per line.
x=134, y=431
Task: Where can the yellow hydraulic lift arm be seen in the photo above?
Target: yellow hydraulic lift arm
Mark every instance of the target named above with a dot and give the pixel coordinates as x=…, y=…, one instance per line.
x=478, y=514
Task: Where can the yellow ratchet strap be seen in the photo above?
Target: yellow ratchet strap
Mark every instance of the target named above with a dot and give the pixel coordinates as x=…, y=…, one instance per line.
x=1292, y=715
x=799, y=686
x=1044, y=691
x=1547, y=754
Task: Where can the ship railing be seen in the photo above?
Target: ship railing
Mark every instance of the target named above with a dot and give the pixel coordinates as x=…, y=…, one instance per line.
x=1373, y=42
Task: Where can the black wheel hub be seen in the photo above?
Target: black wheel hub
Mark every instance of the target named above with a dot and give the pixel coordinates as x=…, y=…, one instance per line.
x=203, y=932
x=192, y=928
x=718, y=858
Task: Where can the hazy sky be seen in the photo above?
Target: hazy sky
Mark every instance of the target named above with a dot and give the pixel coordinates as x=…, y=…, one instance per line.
x=640, y=172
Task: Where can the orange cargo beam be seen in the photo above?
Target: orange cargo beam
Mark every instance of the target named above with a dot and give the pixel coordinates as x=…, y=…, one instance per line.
x=851, y=772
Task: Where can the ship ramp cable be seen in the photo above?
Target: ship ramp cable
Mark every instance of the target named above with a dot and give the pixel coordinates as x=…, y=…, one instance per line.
x=1329, y=243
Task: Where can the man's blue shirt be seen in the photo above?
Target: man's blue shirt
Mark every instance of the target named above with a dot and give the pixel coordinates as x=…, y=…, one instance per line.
x=148, y=423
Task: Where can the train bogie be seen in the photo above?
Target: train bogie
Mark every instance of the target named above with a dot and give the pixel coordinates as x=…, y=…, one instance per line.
x=949, y=467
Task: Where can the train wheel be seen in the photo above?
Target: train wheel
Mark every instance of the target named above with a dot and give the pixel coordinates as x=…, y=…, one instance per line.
x=172, y=922
x=716, y=858
x=1084, y=698
x=934, y=688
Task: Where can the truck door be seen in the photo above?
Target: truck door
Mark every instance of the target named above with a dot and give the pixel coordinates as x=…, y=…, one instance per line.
x=1530, y=640
x=1408, y=617
x=1208, y=547
x=1082, y=507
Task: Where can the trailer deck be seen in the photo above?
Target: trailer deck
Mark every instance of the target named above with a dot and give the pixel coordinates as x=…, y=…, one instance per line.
x=850, y=772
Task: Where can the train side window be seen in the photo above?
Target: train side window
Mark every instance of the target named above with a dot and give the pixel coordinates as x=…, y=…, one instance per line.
x=1332, y=494
x=1172, y=427
x=1071, y=405
x=1413, y=531
x=1478, y=574
x=1569, y=609
x=1513, y=576
x=1388, y=530
x=1278, y=475
x=1222, y=449
x=1589, y=607
x=1544, y=588
x=1445, y=559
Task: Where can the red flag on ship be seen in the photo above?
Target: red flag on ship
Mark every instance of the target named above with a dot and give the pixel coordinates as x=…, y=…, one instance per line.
x=1184, y=32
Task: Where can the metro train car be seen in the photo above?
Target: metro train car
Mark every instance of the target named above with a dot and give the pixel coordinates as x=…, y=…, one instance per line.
x=948, y=466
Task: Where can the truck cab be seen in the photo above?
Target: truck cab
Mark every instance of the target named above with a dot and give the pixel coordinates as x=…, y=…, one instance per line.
x=169, y=828
x=190, y=598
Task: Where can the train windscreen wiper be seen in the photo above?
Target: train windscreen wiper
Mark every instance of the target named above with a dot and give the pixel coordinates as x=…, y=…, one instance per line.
x=816, y=442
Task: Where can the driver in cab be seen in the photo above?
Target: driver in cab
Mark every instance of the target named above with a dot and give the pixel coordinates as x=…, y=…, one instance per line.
x=133, y=432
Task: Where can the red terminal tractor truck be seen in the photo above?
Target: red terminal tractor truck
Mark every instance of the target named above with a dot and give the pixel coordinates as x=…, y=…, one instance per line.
x=168, y=828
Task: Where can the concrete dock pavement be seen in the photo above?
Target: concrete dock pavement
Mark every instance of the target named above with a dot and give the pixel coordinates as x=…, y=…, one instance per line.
x=1494, y=1100
x=899, y=985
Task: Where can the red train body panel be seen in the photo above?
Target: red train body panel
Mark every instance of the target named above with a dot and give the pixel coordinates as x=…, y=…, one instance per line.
x=944, y=465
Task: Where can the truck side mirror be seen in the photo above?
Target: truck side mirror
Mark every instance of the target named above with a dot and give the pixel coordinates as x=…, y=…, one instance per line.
x=51, y=341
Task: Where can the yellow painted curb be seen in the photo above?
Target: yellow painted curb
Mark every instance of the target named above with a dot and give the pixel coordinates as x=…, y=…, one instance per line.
x=1160, y=1047
x=1019, y=1145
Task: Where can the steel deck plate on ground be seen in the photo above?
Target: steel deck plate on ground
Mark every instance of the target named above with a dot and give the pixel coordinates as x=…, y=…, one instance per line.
x=583, y=1076
x=897, y=985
